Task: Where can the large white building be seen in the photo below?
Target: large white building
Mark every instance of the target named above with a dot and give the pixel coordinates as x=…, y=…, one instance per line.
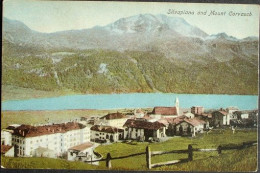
x=57, y=138
x=6, y=134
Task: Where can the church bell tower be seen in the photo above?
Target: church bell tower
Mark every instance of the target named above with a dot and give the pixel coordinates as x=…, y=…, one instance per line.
x=177, y=105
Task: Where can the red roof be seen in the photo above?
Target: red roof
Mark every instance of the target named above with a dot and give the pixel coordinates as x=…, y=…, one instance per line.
x=176, y=120
x=107, y=129
x=113, y=116
x=5, y=148
x=163, y=121
x=82, y=146
x=165, y=110
x=31, y=131
x=143, y=124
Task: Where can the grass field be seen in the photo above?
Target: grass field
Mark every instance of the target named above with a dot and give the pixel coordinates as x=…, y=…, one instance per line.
x=240, y=160
x=43, y=163
x=19, y=93
x=233, y=160
x=39, y=117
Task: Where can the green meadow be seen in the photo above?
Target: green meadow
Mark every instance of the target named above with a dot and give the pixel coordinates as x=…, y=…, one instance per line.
x=230, y=160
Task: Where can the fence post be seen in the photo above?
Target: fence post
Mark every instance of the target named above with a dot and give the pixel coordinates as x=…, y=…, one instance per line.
x=148, y=157
x=108, y=161
x=190, y=152
x=244, y=145
x=219, y=149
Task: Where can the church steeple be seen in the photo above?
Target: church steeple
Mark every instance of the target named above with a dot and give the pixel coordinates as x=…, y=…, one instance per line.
x=177, y=105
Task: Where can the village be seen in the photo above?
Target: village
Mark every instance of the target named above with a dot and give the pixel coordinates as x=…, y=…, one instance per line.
x=76, y=140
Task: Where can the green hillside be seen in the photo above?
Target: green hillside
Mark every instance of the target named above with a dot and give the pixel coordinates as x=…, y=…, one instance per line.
x=104, y=71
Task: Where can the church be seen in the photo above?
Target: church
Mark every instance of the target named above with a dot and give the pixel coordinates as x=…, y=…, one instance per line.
x=167, y=112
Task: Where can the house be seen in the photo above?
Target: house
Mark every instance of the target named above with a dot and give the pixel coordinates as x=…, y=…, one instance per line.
x=56, y=137
x=7, y=150
x=138, y=113
x=82, y=152
x=186, y=126
x=207, y=117
x=220, y=118
x=100, y=133
x=231, y=110
x=143, y=129
x=197, y=109
x=245, y=114
x=189, y=127
x=113, y=119
x=189, y=115
x=167, y=112
x=245, y=118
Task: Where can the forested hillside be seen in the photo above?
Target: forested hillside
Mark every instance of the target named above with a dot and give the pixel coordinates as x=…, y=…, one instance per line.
x=106, y=71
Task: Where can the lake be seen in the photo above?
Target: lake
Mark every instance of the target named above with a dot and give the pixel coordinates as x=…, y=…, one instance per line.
x=133, y=100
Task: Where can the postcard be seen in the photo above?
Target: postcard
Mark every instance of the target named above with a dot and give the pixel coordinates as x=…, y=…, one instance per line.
x=152, y=86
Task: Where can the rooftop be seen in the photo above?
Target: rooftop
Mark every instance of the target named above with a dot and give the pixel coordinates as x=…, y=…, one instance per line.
x=81, y=147
x=32, y=131
x=165, y=110
x=107, y=129
x=111, y=116
x=5, y=148
x=143, y=124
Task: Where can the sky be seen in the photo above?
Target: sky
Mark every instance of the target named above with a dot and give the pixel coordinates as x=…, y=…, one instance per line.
x=53, y=16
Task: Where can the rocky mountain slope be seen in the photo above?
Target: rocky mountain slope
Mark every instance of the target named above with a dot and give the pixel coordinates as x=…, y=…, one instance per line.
x=143, y=53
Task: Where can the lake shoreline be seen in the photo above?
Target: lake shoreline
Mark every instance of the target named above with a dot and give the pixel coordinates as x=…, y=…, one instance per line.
x=136, y=100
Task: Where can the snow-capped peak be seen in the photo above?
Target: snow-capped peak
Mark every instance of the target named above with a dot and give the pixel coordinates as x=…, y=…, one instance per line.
x=221, y=35
x=144, y=23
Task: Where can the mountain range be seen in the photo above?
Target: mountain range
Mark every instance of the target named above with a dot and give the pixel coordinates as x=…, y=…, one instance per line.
x=170, y=40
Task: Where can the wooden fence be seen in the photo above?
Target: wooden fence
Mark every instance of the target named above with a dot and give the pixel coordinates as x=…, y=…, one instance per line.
x=189, y=151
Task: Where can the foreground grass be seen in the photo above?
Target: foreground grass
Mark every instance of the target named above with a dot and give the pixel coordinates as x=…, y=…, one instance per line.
x=234, y=160
x=43, y=163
